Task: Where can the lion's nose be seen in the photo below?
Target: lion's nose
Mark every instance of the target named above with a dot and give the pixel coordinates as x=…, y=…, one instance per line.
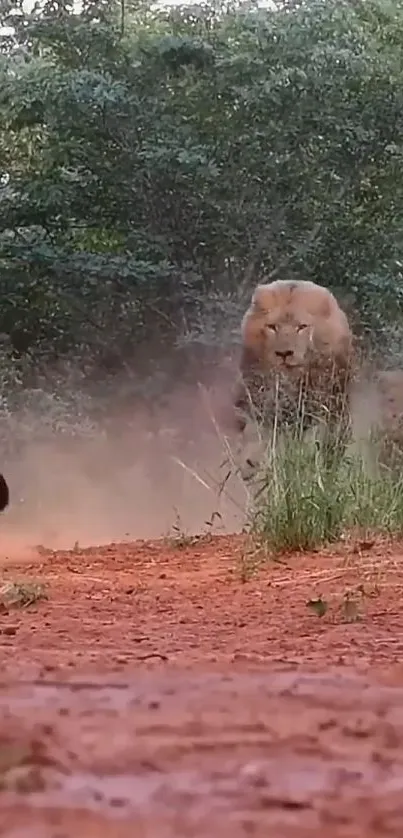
x=287, y=353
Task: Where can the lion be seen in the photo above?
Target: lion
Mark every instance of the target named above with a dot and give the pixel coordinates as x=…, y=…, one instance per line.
x=296, y=357
x=377, y=414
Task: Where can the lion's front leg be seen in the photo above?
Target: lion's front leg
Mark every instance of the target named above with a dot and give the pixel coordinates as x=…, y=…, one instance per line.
x=253, y=417
x=252, y=444
x=336, y=435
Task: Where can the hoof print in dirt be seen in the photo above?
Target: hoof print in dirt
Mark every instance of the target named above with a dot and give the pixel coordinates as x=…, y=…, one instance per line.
x=4, y=493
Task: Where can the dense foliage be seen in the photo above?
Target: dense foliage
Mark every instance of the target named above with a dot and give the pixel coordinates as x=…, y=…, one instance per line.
x=155, y=161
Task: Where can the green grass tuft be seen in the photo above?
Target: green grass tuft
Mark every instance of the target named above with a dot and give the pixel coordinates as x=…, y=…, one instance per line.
x=297, y=504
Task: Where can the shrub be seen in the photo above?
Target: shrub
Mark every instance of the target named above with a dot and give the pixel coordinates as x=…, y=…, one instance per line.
x=296, y=503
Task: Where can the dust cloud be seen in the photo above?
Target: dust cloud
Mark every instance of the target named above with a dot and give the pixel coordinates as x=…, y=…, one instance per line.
x=149, y=471
x=152, y=467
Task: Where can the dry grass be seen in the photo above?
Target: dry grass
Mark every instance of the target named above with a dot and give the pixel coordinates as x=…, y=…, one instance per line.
x=21, y=594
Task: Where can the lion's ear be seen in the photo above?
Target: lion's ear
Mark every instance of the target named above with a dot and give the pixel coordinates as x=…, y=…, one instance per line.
x=253, y=339
x=259, y=302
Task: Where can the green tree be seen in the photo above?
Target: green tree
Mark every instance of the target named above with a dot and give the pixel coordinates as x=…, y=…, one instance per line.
x=152, y=158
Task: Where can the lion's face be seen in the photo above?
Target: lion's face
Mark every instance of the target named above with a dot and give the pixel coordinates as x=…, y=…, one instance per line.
x=288, y=340
x=290, y=324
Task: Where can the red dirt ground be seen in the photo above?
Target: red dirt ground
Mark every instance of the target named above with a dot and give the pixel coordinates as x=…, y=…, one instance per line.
x=166, y=691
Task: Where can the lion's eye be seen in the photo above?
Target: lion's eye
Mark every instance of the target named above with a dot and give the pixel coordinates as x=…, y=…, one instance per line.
x=271, y=326
x=301, y=327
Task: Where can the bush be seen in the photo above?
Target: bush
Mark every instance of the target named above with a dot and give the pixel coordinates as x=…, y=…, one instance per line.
x=298, y=504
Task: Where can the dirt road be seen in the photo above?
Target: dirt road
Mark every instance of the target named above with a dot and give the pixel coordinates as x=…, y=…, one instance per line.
x=169, y=690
